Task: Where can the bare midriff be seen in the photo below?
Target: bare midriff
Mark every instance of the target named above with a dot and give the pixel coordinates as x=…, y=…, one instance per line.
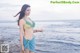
x=28, y=33
x=28, y=29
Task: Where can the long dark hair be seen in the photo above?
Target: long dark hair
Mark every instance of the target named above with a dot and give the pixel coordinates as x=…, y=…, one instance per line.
x=22, y=12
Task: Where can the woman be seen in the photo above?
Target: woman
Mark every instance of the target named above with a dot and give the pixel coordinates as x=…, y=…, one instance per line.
x=26, y=26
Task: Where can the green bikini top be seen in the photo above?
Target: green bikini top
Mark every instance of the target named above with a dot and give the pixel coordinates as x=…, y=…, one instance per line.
x=28, y=24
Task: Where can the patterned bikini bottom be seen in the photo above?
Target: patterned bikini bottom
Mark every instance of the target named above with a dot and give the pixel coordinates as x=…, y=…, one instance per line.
x=29, y=44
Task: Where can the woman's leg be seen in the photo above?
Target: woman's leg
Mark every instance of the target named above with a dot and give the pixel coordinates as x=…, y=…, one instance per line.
x=26, y=51
x=31, y=52
x=22, y=51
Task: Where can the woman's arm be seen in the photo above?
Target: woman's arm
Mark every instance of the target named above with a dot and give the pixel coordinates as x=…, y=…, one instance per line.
x=37, y=30
x=21, y=32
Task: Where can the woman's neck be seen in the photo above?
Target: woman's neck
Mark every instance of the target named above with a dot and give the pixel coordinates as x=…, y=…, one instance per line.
x=26, y=17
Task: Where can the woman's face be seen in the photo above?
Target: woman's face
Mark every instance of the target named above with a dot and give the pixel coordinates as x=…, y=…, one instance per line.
x=27, y=12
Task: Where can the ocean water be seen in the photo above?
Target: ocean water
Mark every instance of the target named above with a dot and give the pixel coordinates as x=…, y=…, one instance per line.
x=59, y=36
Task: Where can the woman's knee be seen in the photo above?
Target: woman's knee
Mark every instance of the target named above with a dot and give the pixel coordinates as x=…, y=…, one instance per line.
x=26, y=51
x=31, y=52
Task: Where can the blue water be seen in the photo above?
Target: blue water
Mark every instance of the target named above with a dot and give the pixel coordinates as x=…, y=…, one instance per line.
x=58, y=36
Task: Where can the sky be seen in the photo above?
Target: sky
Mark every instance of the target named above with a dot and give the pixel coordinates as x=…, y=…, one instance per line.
x=40, y=10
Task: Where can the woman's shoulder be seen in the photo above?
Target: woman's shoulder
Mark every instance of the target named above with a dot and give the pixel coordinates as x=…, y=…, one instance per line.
x=21, y=21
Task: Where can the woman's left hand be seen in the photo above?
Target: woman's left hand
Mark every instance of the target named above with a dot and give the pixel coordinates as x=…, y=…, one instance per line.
x=39, y=30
